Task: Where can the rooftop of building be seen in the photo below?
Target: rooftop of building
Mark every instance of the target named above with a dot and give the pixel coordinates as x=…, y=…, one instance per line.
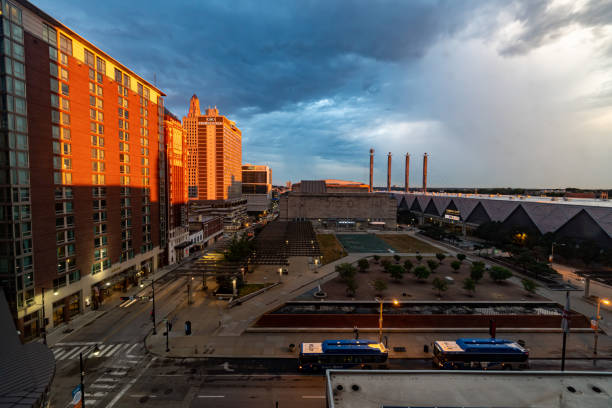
x=403, y=389
x=595, y=202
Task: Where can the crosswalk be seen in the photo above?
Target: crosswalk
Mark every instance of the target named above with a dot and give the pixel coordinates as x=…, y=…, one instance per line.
x=71, y=351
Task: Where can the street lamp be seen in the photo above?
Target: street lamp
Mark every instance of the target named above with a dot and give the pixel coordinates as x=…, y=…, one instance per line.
x=95, y=350
x=44, y=322
x=597, y=319
x=280, y=273
x=380, y=318
x=552, y=251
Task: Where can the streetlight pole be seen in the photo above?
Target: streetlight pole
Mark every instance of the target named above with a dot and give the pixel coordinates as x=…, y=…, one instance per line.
x=44, y=319
x=597, y=318
x=153, y=289
x=96, y=351
x=380, y=317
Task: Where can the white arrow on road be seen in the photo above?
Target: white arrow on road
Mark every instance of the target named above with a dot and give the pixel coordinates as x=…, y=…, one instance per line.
x=227, y=368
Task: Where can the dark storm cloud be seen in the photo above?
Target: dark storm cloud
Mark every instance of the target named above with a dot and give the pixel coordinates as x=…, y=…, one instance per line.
x=262, y=55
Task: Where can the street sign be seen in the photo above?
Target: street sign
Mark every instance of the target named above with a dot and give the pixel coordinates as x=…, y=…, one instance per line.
x=594, y=324
x=77, y=401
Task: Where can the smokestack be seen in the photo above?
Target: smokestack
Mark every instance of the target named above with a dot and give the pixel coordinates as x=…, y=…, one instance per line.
x=407, y=175
x=389, y=172
x=371, y=170
x=425, y=173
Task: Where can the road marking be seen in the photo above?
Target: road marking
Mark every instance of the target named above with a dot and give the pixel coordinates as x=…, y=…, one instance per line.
x=118, y=373
x=111, y=352
x=107, y=379
x=169, y=375
x=130, y=350
x=94, y=395
x=90, y=401
x=313, y=396
x=74, y=352
x=103, y=349
x=143, y=395
x=211, y=396
x=129, y=384
x=60, y=353
x=86, y=343
x=104, y=386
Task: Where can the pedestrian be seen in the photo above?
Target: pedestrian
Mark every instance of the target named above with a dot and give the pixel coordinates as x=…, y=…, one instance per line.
x=356, y=331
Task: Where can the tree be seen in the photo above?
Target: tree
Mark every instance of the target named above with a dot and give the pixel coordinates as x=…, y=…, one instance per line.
x=408, y=265
x=346, y=271
x=397, y=258
x=376, y=258
x=440, y=257
x=239, y=249
x=421, y=272
x=380, y=285
x=386, y=264
x=461, y=257
x=499, y=274
x=397, y=272
x=419, y=258
x=441, y=285
x=529, y=285
x=351, y=287
x=432, y=265
x=456, y=265
x=363, y=264
x=476, y=274
x=469, y=284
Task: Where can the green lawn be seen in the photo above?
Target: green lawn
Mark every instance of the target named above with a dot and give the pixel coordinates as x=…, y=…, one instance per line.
x=406, y=243
x=330, y=248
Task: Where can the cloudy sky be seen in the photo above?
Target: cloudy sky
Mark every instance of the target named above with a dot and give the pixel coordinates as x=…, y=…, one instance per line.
x=499, y=93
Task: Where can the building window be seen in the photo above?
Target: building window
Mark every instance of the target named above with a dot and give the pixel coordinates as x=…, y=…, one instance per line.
x=89, y=58
x=101, y=65
x=49, y=35
x=65, y=45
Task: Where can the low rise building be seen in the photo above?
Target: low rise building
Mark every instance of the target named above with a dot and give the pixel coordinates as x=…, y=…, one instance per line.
x=203, y=232
x=257, y=187
x=338, y=210
x=233, y=211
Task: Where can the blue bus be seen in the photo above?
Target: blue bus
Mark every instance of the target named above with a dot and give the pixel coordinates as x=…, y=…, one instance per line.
x=342, y=354
x=465, y=354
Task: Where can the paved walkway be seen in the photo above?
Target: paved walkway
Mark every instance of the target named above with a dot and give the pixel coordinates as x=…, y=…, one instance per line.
x=221, y=332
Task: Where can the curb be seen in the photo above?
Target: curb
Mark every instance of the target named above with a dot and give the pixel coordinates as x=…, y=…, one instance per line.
x=410, y=330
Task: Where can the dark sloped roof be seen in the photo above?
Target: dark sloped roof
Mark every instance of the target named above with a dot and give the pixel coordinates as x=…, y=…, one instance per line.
x=27, y=369
x=312, y=186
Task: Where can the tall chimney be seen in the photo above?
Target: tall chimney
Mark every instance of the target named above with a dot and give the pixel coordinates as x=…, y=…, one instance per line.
x=389, y=172
x=425, y=173
x=371, y=170
x=407, y=175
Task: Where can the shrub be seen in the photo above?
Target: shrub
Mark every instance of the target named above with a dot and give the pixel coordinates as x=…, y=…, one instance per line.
x=397, y=272
x=419, y=258
x=432, y=265
x=386, y=264
x=351, y=287
x=380, y=285
x=461, y=257
x=363, y=264
x=441, y=285
x=456, y=265
x=499, y=274
x=397, y=258
x=529, y=285
x=376, y=258
x=421, y=273
x=408, y=265
x=440, y=256
x=469, y=284
x=346, y=271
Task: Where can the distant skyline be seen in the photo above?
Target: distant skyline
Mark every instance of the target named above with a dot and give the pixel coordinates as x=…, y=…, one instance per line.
x=499, y=93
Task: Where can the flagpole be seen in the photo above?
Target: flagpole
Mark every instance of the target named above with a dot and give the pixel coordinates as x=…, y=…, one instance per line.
x=565, y=325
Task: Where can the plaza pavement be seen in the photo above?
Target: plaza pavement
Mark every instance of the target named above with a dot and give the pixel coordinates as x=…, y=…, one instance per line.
x=218, y=331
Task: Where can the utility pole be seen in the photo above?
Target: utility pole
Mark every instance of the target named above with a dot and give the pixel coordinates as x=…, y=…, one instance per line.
x=44, y=322
x=153, y=289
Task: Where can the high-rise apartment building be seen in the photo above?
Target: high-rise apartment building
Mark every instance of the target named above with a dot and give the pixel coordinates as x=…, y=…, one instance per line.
x=215, y=154
x=257, y=187
x=176, y=159
x=82, y=183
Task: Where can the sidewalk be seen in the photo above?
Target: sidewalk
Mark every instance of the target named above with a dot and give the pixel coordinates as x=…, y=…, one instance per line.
x=57, y=334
